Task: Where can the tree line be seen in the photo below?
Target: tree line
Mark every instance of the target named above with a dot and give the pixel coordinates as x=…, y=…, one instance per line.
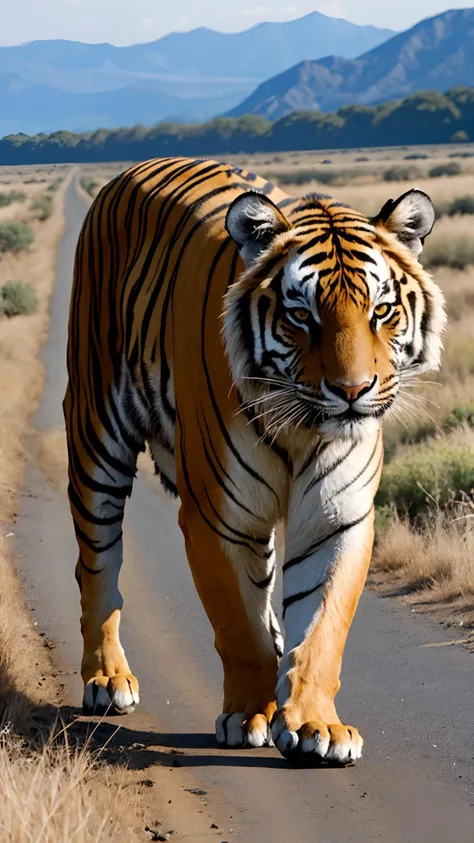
x=423, y=118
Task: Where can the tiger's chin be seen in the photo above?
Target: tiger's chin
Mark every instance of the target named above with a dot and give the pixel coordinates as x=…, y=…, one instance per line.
x=353, y=428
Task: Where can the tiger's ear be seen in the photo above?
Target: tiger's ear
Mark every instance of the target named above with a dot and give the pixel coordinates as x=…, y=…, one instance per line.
x=410, y=217
x=253, y=221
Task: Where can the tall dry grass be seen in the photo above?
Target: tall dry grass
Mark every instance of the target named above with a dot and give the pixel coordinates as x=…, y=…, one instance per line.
x=434, y=562
x=60, y=795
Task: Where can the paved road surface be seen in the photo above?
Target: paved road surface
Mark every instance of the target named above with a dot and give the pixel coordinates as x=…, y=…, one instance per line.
x=414, y=703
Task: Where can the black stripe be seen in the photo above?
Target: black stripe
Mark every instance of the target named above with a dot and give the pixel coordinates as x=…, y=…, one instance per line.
x=86, y=515
x=263, y=583
x=248, y=468
x=318, y=449
x=329, y=470
x=288, y=601
x=89, y=570
x=193, y=495
x=374, y=473
x=221, y=482
x=359, y=474
x=319, y=544
x=92, y=544
x=245, y=536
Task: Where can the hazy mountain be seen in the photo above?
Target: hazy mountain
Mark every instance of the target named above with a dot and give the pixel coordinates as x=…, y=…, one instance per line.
x=186, y=76
x=37, y=107
x=436, y=54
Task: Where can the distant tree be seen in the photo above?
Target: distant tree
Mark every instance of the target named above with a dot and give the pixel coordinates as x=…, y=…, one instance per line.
x=460, y=136
x=450, y=168
x=425, y=117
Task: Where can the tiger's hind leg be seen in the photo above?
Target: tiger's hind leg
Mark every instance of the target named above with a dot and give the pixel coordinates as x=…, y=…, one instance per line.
x=235, y=589
x=102, y=465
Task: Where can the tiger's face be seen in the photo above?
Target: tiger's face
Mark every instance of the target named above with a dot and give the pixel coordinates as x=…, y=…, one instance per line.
x=333, y=313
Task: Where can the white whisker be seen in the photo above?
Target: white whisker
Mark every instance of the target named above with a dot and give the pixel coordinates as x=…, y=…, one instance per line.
x=269, y=396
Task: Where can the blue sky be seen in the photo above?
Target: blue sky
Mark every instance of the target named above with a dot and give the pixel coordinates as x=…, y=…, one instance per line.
x=129, y=21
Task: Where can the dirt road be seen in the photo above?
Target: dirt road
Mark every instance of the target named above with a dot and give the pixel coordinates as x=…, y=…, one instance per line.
x=412, y=697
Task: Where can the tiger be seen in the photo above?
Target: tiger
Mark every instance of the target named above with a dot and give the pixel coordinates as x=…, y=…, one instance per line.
x=253, y=341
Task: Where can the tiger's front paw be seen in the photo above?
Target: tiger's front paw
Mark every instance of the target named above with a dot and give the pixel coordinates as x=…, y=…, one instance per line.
x=240, y=731
x=111, y=694
x=315, y=741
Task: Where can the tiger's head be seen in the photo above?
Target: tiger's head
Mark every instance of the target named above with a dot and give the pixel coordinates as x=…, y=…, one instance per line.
x=333, y=313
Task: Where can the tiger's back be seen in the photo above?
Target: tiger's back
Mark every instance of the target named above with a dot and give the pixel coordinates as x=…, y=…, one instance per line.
x=142, y=311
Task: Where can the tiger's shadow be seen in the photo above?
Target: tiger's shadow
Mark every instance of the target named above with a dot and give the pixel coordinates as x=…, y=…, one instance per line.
x=141, y=748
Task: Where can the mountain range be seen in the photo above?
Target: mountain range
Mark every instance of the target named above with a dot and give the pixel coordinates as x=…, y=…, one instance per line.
x=435, y=54
x=48, y=85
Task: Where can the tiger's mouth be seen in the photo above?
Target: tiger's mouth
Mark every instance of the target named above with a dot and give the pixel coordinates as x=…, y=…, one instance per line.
x=354, y=415
x=285, y=408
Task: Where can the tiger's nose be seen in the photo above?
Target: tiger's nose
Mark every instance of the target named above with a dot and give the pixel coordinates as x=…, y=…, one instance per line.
x=349, y=392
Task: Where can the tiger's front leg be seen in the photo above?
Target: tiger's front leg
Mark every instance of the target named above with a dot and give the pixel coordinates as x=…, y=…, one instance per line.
x=234, y=579
x=329, y=544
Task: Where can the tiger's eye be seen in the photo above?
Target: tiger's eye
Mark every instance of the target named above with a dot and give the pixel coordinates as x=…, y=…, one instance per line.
x=300, y=314
x=382, y=310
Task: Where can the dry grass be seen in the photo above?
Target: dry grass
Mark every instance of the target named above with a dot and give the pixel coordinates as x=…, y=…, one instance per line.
x=438, y=559
x=451, y=243
x=431, y=567
x=49, y=791
x=370, y=200
x=21, y=372
x=59, y=795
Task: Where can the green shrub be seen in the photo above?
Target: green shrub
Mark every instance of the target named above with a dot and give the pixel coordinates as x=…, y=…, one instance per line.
x=415, y=156
x=363, y=158
x=460, y=205
x=456, y=251
x=305, y=175
x=90, y=185
x=52, y=188
x=401, y=172
x=459, y=417
x=434, y=471
x=17, y=196
x=302, y=176
x=12, y=196
x=16, y=298
x=43, y=207
x=451, y=168
x=15, y=236
x=461, y=155
x=461, y=136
